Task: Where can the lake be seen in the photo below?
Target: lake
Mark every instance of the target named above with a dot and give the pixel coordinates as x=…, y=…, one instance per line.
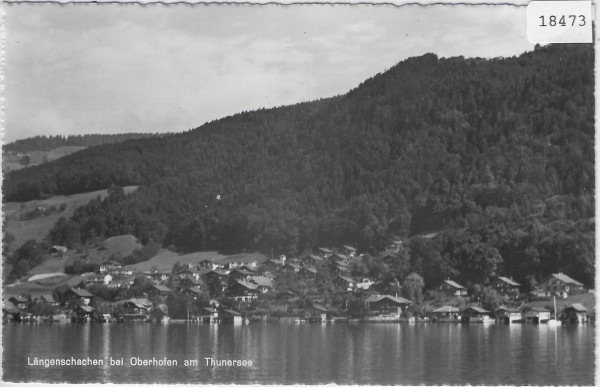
x=288, y=353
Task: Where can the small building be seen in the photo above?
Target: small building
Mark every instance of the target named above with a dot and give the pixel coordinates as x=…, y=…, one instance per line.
x=559, y=285
x=19, y=302
x=209, y=315
x=506, y=286
x=159, y=290
x=312, y=260
x=240, y=274
x=446, y=314
x=389, y=259
x=338, y=268
x=264, y=284
x=48, y=299
x=58, y=250
x=535, y=315
x=243, y=291
x=204, y=264
x=506, y=315
x=272, y=265
x=324, y=252
x=452, y=289
x=576, y=313
x=349, y=250
x=476, y=314
x=308, y=273
x=109, y=266
x=83, y=312
x=230, y=316
x=78, y=294
x=339, y=257
x=190, y=282
x=316, y=313
x=195, y=293
x=386, y=306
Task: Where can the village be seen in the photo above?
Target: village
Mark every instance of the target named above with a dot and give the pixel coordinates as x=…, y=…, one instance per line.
x=320, y=287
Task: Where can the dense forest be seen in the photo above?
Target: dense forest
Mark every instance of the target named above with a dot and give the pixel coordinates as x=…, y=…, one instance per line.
x=47, y=143
x=492, y=159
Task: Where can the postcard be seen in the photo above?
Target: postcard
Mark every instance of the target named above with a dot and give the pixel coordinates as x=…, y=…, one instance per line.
x=298, y=193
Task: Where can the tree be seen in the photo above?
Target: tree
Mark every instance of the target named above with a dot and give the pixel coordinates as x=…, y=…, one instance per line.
x=412, y=288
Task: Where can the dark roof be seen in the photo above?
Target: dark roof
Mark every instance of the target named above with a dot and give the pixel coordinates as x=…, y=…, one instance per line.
x=209, y=310
x=246, y=284
x=9, y=308
x=47, y=298
x=194, y=290
x=535, y=309
x=161, y=288
x=350, y=248
x=319, y=308
x=86, y=308
x=310, y=269
x=314, y=257
x=478, y=309
x=379, y=297
x=232, y=312
x=81, y=292
x=18, y=299
x=350, y=280
x=509, y=310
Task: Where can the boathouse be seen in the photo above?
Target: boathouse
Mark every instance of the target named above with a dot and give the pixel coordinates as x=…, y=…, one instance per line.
x=446, y=314
x=576, y=313
x=507, y=315
x=316, y=313
x=476, y=314
x=535, y=315
x=386, y=306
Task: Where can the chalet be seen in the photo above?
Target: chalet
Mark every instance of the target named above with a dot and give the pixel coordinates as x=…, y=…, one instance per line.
x=349, y=250
x=452, y=289
x=156, y=275
x=190, y=282
x=160, y=313
x=264, y=284
x=243, y=291
x=291, y=267
x=507, y=315
x=346, y=283
x=506, y=286
x=535, y=315
x=338, y=257
x=316, y=313
x=312, y=260
x=78, y=294
x=159, y=290
x=195, y=293
x=247, y=268
x=338, y=268
x=204, y=264
x=560, y=285
x=386, y=306
x=230, y=316
x=271, y=265
x=389, y=259
x=241, y=274
x=19, y=302
x=476, y=314
x=308, y=273
x=576, y=313
x=324, y=252
x=48, y=300
x=83, y=312
x=446, y=314
x=137, y=306
x=209, y=315
x=216, y=277
x=8, y=309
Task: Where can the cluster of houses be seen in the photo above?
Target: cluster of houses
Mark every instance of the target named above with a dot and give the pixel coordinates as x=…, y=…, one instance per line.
x=243, y=282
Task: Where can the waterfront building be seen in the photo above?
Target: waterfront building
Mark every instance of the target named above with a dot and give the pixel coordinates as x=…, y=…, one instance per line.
x=230, y=316
x=507, y=315
x=243, y=291
x=576, y=313
x=452, y=289
x=477, y=314
x=446, y=314
x=159, y=290
x=19, y=302
x=316, y=313
x=386, y=306
x=559, y=285
x=535, y=315
x=78, y=294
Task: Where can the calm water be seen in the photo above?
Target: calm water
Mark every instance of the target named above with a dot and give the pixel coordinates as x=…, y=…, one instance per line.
x=306, y=353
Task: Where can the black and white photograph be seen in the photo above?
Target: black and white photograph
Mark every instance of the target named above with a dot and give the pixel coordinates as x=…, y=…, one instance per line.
x=298, y=194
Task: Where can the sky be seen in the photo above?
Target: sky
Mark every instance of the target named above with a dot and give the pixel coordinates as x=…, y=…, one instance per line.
x=79, y=69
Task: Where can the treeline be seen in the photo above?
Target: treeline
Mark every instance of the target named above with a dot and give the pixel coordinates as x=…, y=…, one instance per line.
x=496, y=156
x=47, y=143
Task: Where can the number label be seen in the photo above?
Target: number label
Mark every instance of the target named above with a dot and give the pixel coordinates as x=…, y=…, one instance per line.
x=559, y=22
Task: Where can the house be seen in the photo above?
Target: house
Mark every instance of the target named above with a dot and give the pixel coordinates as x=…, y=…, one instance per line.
x=349, y=250
x=204, y=264
x=560, y=285
x=264, y=284
x=109, y=266
x=160, y=313
x=8, y=309
x=216, y=278
x=389, y=259
x=386, y=306
x=312, y=260
x=452, y=289
x=446, y=314
x=136, y=306
x=346, y=283
x=308, y=273
x=338, y=257
x=395, y=245
x=83, y=312
x=337, y=268
x=78, y=294
x=324, y=252
x=195, y=293
x=506, y=286
x=243, y=291
x=209, y=315
x=58, y=250
x=576, y=313
x=159, y=290
x=230, y=316
x=190, y=282
x=19, y=302
x=48, y=300
x=271, y=265
x=316, y=313
x=157, y=276
x=476, y=314
x=507, y=315
x=239, y=273
x=535, y=315
x=291, y=267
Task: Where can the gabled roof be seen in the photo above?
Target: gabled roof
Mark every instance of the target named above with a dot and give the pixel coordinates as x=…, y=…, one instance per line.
x=349, y=248
x=241, y=271
x=566, y=279
x=446, y=309
x=262, y=281
x=18, y=299
x=454, y=284
x=349, y=280
x=379, y=297
x=210, y=310
x=220, y=273
x=478, y=309
x=535, y=309
x=81, y=292
x=293, y=265
x=246, y=284
x=47, y=298
x=325, y=250
x=86, y=308
x=507, y=309
x=232, y=312
x=340, y=255
x=310, y=269
x=9, y=307
x=578, y=307
x=193, y=290
x=508, y=281
x=161, y=288
x=319, y=308
x=314, y=257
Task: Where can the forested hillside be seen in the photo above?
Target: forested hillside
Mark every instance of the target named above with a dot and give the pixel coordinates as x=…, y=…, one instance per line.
x=47, y=143
x=496, y=156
